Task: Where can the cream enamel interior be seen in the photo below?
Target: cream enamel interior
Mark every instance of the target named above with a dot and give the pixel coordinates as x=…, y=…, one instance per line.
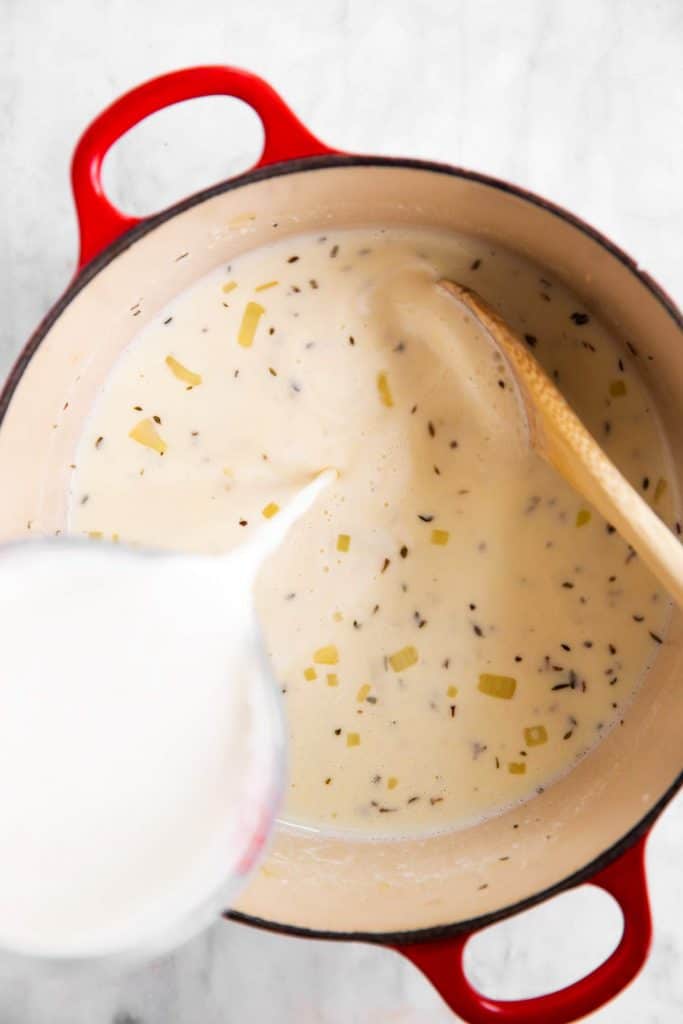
x=313, y=881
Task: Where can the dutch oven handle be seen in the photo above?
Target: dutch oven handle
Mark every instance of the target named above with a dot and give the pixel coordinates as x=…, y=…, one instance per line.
x=100, y=223
x=624, y=879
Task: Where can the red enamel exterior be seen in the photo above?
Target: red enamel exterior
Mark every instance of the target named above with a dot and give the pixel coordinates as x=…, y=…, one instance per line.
x=100, y=224
x=442, y=961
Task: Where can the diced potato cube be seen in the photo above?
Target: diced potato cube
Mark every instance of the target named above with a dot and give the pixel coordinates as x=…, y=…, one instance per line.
x=326, y=655
x=146, y=433
x=404, y=658
x=384, y=390
x=660, y=489
x=535, y=735
x=497, y=686
x=250, y=318
x=182, y=372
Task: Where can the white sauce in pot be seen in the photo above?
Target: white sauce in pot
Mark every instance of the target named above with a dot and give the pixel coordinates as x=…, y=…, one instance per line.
x=451, y=626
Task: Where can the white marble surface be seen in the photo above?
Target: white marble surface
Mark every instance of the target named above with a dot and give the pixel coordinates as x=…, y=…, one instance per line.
x=580, y=100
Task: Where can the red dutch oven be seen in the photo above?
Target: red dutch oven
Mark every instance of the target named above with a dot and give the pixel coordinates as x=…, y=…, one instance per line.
x=422, y=897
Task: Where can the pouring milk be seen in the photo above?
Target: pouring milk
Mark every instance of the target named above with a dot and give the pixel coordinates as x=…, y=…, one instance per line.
x=140, y=741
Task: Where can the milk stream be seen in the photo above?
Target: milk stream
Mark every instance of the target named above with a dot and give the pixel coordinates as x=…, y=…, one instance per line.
x=140, y=740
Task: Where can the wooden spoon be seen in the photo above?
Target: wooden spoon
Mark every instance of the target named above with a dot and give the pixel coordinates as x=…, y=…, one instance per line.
x=559, y=436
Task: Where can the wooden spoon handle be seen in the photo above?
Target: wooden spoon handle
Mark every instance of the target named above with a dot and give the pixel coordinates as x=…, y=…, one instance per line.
x=561, y=438
x=593, y=475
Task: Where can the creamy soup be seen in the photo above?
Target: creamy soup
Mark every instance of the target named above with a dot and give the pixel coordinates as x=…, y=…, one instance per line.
x=452, y=627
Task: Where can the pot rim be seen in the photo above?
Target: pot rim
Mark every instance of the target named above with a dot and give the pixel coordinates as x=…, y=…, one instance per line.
x=314, y=163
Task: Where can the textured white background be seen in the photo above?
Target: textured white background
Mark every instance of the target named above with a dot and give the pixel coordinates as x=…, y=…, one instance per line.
x=580, y=100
